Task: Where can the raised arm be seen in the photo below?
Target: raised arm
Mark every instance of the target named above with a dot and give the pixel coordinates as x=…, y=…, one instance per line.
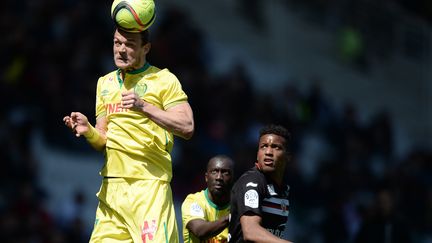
x=204, y=229
x=254, y=232
x=177, y=119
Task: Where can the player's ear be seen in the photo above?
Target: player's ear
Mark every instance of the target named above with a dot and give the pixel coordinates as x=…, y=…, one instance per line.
x=206, y=177
x=258, y=165
x=147, y=48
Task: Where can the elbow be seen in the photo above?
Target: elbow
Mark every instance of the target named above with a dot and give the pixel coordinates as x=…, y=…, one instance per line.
x=250, y=235
x=188, y=132
x=247, y=237
x=200, y=236
x=188, y=135
x=100, y=148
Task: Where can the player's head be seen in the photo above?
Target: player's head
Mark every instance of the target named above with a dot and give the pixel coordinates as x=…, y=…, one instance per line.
x=273, y=149
x=130, y=49
x=219, y=176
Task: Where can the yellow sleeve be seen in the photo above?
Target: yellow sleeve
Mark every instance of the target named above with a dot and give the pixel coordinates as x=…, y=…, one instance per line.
x=191, y=209
x=172, y=94
x=100, y=106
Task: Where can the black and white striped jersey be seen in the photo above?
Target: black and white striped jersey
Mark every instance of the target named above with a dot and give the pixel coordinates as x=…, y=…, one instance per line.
x=255, y=194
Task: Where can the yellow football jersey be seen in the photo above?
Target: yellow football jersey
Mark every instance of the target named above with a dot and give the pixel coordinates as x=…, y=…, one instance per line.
x=199, y=206
x=136, y=146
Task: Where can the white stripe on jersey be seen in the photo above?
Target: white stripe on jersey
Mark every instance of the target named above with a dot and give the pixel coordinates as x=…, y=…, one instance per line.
x=276, y=200
x=275, y=211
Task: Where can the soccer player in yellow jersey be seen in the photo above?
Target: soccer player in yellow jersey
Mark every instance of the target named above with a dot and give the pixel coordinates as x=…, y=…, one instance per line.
x=205, y=214
x=139, y=108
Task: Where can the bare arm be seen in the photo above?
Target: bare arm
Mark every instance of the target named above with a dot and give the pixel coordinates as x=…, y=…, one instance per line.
x=204, y=229
x=254, y=232
x=96, y=136
x=177, y=119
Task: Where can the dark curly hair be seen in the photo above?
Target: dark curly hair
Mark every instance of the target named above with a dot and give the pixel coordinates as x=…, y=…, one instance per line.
x=277, y=130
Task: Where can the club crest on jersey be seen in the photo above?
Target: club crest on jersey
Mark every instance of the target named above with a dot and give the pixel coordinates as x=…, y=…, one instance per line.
x=140, y=89
x=284, y=206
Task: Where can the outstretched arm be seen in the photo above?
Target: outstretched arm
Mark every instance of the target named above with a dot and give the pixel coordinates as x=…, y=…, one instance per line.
x=177, y=119
x=96, y=136
x=204, y=229
x=254, y=232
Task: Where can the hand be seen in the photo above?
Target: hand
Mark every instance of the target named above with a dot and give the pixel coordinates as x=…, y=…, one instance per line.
x=131, y=100
x=77, y=122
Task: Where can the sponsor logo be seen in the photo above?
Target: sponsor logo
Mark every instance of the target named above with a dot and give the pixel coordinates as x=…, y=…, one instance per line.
x=277, y=232
x=148, y=230
x=114, y=108
x=251, y=199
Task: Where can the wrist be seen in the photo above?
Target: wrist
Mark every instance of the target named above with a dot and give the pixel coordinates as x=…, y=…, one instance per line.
x=142, y=105
x=92, y=135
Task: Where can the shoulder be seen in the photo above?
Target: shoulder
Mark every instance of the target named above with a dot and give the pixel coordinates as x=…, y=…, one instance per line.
x=111, y=76
x=194, y=197
x=192, y=205
x=162, y=74
x=252, y=174
x=251, y=179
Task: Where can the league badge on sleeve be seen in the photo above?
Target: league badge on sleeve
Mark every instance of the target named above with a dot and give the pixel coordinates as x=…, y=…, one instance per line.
x=196, y=210
x=251, y=199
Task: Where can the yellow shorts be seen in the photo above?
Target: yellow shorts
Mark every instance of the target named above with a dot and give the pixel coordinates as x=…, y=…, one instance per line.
x=135, y=210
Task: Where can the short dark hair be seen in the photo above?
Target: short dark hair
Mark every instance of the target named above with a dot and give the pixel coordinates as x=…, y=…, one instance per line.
x=145, y=36
x=277, y=130
x=223, y=158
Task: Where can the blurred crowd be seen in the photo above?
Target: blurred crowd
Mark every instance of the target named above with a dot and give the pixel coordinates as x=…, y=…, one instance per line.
x=365, y=29
x=347, y=184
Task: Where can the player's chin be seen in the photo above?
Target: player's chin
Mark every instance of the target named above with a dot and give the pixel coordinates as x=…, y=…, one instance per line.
x=122, y=65
x=268, y=169
x=218, y=192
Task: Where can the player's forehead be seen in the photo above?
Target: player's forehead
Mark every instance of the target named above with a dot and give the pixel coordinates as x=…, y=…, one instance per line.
x=219, y=163
x=126, y=36
x=272, y=139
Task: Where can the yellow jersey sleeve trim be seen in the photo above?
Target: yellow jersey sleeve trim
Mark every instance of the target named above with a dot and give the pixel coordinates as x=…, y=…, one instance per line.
x=174, y=103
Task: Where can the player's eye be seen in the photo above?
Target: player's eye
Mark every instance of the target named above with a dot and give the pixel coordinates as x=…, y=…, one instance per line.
x=130, y=44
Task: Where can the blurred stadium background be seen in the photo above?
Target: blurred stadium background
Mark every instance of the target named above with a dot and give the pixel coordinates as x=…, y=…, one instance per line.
x=352, y=80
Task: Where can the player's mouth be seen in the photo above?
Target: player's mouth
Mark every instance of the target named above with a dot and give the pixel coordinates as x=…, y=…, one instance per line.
x=268, y=162
x=123, y=60
x=218, y=186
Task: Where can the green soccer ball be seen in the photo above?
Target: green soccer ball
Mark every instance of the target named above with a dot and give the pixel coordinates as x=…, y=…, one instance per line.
x=133, y=15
